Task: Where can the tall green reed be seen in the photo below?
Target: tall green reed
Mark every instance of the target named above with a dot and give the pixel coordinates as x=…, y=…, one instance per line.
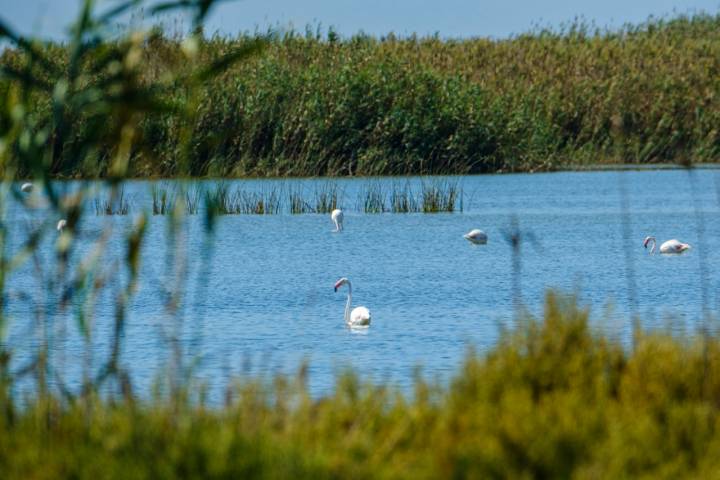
x=360, y=105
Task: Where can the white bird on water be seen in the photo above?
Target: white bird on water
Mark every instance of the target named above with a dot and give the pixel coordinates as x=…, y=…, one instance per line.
x=337, y=218
x=671, y=246
x=61, y=225
x=478, y=237
x=360, y=316
x=26, y=187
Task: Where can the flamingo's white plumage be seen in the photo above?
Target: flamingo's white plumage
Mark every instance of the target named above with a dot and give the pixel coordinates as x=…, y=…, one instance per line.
x=337, y=218
x=671, y=246
x=478, y=237
x=26, y=187
x=61, y=225
x=359, y=316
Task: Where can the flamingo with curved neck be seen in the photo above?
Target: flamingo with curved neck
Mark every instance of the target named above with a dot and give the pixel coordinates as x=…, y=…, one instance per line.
x=671, y=246
x=359, y=316
x=337, y=217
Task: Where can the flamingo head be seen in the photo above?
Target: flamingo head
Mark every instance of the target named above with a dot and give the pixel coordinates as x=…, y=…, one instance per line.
x=648, y=240
x=340, y=283
x=683, y=247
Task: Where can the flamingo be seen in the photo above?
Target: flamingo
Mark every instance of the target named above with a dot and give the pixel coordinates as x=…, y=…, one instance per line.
x=360, y=316
x=337, y=218
x=26, y=187
x=671, y=246
x=478, y=237
x=62, y=223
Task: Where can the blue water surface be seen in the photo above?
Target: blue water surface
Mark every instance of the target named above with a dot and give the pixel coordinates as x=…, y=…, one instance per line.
x=259, y=294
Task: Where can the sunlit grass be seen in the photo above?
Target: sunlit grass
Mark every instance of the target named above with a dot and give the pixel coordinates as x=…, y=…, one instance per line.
x=366, y=106
x=440, y=197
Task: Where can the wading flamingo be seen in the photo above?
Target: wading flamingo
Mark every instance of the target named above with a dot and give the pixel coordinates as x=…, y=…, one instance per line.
x=360, y=316
x=337, y=218
x=671, y=246
x=478, y=237
x=61, y=225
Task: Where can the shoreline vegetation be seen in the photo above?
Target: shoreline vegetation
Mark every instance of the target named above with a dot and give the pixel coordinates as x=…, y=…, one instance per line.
x=314, y=104
x=553, y=399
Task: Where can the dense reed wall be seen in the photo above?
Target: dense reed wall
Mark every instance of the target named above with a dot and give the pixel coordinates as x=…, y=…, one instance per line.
x=321, y=105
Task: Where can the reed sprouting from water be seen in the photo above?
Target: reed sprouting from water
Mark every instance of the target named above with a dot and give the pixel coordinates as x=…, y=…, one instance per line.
x=422, y=105
x=227, y=201
x=163, y=199
x=220, y=200
x=403, y=199
x=116, y=203
x=430, y=196
x=192, y=199
x=440, y=197
x=166, y=198
x=297, y=202
x=267, y=202
x=374, y=198
x=326, y=197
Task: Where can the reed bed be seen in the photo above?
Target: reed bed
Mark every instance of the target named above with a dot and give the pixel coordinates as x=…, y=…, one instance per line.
x=432, y=197
x=324, y=105
x=402, y=200
x=374, y=198
x=326, y=197
x=192, y=200
x=440, y=197
x=258, y=203
x=238, y=201
x=163, y=199
x=116, y=203
x=298, y=204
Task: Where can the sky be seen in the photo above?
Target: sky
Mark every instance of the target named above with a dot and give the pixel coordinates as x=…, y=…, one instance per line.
x=448, y=18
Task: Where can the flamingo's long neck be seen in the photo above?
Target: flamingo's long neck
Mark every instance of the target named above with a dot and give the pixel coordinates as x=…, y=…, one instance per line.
x=349, y=301
x=654, y=242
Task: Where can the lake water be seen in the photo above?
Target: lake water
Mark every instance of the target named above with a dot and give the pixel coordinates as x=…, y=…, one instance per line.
x=261, y=300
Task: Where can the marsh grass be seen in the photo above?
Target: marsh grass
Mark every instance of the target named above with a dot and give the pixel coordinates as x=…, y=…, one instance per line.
x=193, y=196
x=373, y=198
x=403, y=199
x=542, y=100
x=326, y=197
x=266, y=202
x=441, y=196
x=220, y=200
x=237, y=201
x=163, y=199
x=297, y=203
x=115, y=203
